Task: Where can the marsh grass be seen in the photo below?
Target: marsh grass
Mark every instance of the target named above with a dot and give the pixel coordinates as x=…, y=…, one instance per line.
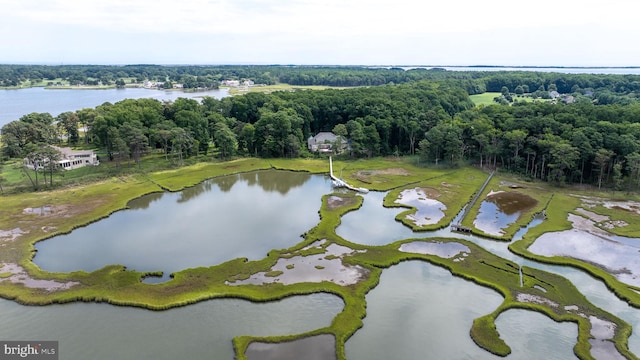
x=455, y=189
x=538, y=191
x=116, y=285
x=267, y=89
x=556, y=220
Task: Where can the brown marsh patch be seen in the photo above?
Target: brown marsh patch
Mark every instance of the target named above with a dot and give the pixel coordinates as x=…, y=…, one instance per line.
x=511, y=202
x=334, y=201
x=364, y=175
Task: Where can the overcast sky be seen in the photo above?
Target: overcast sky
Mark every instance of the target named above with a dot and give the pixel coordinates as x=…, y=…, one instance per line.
x=339, y=32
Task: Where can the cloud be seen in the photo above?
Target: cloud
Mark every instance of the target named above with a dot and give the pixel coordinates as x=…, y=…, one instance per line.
x=321, y=31
x=329, y=17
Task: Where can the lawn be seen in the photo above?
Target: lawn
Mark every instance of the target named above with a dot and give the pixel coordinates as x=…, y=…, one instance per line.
x=484, y=98
x=267, y=89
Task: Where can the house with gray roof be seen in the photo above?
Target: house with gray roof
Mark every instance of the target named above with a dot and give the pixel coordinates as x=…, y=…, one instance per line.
x=325, y=142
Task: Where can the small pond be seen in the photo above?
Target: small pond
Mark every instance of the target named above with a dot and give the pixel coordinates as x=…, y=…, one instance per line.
x=201, y=226
x=500, y=209
x=592, y=245
x=373, y=224
x=429, y=211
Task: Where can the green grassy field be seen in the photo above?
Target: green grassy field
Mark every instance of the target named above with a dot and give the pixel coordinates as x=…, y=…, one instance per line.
x=278, y=87
x=486, y=98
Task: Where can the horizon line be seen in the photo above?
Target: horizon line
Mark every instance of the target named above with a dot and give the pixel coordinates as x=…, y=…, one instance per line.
x=331, y=65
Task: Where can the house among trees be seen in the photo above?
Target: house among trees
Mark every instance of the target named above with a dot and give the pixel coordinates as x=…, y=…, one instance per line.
x=69, y=159
x=326, y=142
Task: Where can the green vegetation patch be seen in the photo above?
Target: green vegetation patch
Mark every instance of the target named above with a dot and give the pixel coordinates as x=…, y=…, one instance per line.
x=454, y=189
x=485, y=98
x=556, y=220
x=117, y=285
x=538, y=191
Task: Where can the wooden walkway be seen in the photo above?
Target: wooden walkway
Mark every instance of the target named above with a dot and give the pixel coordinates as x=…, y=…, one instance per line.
x=458, y=227
x=337, y=182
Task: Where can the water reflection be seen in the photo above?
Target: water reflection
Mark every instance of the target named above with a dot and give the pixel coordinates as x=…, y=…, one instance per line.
x=319, y=347
x=199, y=331
x=532, y=335
x=173, y=234
x=501, y=209
x=274, y=181
x=420, y=311
x=428, y=210
x=373, y=224
x=593, y=245
x=143, y=202
x=197, y=190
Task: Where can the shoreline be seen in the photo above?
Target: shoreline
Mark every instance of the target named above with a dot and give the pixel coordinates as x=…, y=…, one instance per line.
x=116, y=285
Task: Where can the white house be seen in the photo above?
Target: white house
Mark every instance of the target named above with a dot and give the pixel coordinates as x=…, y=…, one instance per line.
x=70, y=159
x=324, y=142
x=230, y=82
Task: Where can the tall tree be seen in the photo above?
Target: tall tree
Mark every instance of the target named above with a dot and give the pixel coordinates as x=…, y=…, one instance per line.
x=133, y=135
x=564, y=157
x=633, y=167
x=68, y=123
x=602, y=160
x=516, y=139
x=225, y=140
x=247, y=139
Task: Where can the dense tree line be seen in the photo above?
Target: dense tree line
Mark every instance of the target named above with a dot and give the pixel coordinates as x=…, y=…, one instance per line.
x=582, y=142
x=606, y=89
x=379, y=121
x=579, y=142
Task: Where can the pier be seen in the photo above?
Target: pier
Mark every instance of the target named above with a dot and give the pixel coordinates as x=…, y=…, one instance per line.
x=337, y=182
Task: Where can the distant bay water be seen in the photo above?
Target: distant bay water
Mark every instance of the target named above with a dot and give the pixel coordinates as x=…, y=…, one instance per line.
x=19, y=102
x=631, y=70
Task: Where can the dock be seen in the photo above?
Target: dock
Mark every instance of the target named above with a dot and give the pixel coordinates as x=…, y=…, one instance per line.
x=339, y=183
x=460, y=228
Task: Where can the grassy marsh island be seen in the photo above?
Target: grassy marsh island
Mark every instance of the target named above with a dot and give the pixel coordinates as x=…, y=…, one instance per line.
x=323, y=262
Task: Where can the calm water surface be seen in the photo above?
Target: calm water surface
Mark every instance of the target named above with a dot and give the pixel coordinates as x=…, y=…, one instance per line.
x=373, y=224
x=418, y=309
x=200, y=331
x=244, y=215
x=19, y=102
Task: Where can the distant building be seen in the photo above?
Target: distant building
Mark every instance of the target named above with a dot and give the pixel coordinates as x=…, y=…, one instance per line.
x=70, y=159
x=324, y=142
x=230, y=83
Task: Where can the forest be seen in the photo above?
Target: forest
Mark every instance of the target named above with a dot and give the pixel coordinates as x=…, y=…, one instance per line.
x=603, y=88
x=593, y=139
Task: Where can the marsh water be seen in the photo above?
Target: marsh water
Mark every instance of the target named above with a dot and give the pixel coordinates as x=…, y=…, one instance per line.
x=417, y=311
x=244, y=215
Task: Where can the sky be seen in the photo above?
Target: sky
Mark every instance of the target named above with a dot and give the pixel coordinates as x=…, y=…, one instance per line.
x=321, y=32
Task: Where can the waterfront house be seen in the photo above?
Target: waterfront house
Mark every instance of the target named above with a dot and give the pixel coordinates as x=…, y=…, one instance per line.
x=325, y=142
x=69, y=159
